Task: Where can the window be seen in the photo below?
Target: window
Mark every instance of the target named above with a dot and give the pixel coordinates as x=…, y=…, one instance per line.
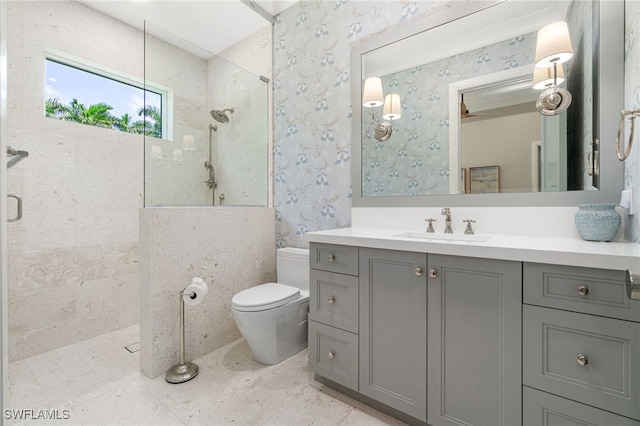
x=82, y=93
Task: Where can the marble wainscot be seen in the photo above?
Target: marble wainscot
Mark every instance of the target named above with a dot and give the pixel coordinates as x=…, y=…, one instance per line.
x=230, y=248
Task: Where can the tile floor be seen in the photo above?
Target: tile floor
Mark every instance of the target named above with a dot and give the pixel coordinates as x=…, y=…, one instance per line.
x=97, y=382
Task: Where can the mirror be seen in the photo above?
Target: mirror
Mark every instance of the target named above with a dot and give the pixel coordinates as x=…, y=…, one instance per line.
x=446, y=60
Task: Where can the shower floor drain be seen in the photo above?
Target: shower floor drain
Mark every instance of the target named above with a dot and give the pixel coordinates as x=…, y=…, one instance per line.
x=133, y=348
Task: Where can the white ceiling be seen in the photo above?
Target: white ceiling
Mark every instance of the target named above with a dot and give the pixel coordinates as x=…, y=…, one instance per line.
x=202, y=27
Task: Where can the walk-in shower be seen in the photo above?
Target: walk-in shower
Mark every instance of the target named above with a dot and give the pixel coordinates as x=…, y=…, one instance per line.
x=219, y=141
x=221, y=115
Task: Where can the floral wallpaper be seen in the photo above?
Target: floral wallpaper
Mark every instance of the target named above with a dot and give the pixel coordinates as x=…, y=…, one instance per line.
x=312, y=107
x=632, y=100
x=415, y=159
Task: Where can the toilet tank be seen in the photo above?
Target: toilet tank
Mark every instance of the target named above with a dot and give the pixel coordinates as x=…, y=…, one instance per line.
x=292, y=267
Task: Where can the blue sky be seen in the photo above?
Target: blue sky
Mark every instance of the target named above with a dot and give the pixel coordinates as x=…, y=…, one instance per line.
x=65, y=83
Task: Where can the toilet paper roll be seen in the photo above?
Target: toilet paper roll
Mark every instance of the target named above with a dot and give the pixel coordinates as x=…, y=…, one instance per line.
x=195, y=292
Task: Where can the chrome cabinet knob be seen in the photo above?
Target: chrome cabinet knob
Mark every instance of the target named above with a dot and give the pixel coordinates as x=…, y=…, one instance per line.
x=433, y=273
x=582, y=360
x=331, y=258
x=331, y=299
x=419, y=271
x=583, y=290
x=331, y=355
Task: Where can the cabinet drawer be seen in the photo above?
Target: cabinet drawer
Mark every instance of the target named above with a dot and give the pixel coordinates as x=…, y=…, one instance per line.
x=588, y=290
x=333, y=354
x=543, y=409
x=334, y=258
x=334, y=299
x=583, y=357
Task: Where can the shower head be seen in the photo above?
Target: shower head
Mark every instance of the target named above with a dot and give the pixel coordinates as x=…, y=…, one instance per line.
x=221, y=115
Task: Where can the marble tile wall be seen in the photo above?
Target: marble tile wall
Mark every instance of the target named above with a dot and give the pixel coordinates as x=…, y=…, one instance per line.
x=171, y=180
x=255, y=54
x=241, y=146
x=231, y=248
x=73, y=258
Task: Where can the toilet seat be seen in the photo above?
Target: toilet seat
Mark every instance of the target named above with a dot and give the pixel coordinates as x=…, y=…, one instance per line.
x=264, y=296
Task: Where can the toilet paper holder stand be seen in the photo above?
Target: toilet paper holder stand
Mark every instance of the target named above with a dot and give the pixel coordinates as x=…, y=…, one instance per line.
x=184, y=371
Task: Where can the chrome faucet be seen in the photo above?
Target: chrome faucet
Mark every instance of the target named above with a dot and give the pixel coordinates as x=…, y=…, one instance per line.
x=469, y=229
x=447, y=213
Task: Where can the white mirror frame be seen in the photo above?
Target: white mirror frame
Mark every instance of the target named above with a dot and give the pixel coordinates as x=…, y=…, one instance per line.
x=610, y=93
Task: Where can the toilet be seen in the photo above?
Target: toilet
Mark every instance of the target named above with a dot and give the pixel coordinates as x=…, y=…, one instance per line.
x=272, y=317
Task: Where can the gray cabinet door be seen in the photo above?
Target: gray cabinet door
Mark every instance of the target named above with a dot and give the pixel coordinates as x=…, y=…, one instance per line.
x=474, y=355
x=545, y=409
x=393, y=329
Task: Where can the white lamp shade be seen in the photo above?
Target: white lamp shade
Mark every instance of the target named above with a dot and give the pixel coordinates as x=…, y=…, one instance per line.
x=177, y=154
x=188, y=143
x=372, y=94
x=554, y=45
x=392, y=109
x=543, y=77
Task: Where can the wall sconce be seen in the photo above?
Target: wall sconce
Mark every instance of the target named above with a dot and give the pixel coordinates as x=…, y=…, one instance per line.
x=372, y=97
x=543, y=78
x=177, y=154
x=553, y=48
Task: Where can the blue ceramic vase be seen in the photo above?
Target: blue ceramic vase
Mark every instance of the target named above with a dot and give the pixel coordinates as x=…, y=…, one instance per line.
x=597, y=222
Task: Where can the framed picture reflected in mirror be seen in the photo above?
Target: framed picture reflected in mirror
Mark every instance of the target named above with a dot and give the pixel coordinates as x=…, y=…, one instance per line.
x=484, y=180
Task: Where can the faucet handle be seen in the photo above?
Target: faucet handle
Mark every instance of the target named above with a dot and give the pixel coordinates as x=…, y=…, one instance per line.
x=430, y=227
x=446, y=210
x=468, y=230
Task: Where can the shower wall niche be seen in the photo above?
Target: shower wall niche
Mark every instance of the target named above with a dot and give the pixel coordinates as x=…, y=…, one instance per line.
x=201, y=159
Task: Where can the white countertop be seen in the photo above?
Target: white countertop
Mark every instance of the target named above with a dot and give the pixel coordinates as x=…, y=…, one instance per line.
x=552, y=250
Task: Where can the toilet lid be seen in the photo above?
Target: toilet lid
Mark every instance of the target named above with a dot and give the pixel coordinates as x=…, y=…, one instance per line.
x=264, y=296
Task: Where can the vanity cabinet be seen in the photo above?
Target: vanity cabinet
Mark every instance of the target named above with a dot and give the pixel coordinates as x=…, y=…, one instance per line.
x=393, y=329
x=333, y=313
x=434, y=337
x=581, y=343
x=474, y=351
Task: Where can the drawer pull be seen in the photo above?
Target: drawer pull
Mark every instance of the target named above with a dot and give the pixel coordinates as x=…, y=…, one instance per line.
x=583, y=290
x=331, y=258
x=331, y=355
x=331, y=299
x=432, y=273
x=419, y=271
x=582, y=360
x=633, y=285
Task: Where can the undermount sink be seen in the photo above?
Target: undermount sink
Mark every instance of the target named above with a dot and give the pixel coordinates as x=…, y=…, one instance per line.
x=444, y=237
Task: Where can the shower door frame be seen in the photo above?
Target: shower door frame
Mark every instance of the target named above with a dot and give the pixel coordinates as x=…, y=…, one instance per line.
x=4, y=328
